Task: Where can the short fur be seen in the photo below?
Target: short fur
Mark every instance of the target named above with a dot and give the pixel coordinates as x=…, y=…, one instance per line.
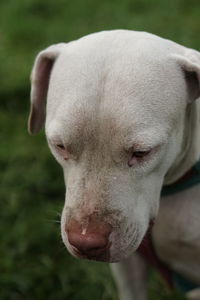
x=108, y=94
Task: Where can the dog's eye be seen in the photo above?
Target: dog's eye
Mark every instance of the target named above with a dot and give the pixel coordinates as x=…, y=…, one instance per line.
x=62, y=151
x=138, y=156
x=60, y=146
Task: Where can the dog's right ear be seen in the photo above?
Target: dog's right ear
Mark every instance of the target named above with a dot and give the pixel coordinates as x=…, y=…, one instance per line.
x=190, y=64
x=39, y=85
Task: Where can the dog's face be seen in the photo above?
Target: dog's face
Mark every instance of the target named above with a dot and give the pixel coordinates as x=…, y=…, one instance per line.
x=115, y=122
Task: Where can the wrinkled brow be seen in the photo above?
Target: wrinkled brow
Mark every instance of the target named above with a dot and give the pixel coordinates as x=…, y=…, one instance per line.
x=79, y=128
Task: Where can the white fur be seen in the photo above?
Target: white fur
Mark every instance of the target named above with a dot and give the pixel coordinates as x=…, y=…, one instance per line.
x=108, y=92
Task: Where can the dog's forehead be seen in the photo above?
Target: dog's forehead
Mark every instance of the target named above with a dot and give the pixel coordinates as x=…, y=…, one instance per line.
x=113, y=65
x=106, y=124
x=114, y=84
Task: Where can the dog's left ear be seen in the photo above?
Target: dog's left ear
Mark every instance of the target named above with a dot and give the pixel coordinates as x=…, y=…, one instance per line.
x=190, y=64
x=39, y=85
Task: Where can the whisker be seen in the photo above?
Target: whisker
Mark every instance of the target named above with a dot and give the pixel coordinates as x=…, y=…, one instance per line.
x=53, y=221
x=55, y=212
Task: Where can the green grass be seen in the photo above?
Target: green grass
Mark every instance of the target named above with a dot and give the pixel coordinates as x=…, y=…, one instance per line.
x=33, y=261
x=27, y=26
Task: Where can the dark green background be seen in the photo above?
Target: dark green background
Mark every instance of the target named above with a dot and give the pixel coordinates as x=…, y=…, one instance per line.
x=33, y=262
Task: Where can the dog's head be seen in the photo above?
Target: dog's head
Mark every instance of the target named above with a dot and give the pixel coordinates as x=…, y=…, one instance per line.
x=116, y=116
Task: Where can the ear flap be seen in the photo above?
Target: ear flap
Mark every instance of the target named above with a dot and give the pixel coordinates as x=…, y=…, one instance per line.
x=190, y=63
x=39, y=85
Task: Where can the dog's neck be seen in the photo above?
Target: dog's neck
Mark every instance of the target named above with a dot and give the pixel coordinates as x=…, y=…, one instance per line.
x=190, y=145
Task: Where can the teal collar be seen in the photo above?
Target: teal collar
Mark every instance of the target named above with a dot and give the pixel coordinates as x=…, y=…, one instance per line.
x=181, y=284
x=191, y=178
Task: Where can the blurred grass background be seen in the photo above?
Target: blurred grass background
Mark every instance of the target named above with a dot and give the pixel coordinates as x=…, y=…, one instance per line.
x=33, y=262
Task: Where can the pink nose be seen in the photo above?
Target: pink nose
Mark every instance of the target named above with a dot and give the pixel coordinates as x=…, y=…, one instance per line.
x=92, y=241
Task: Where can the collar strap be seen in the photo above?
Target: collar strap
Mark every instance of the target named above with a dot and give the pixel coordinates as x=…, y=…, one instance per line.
x=170, y=278
x=147, y=250
x=189, y=179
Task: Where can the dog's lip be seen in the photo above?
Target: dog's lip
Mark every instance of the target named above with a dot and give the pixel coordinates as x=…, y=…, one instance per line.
x=151, y=223
x=146, y=237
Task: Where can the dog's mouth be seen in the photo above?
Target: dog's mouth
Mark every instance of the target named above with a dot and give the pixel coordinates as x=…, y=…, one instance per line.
x=102, y=254
x=146, y=241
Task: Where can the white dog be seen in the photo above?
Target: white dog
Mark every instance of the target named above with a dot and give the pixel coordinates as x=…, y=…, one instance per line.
x=122, y=121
